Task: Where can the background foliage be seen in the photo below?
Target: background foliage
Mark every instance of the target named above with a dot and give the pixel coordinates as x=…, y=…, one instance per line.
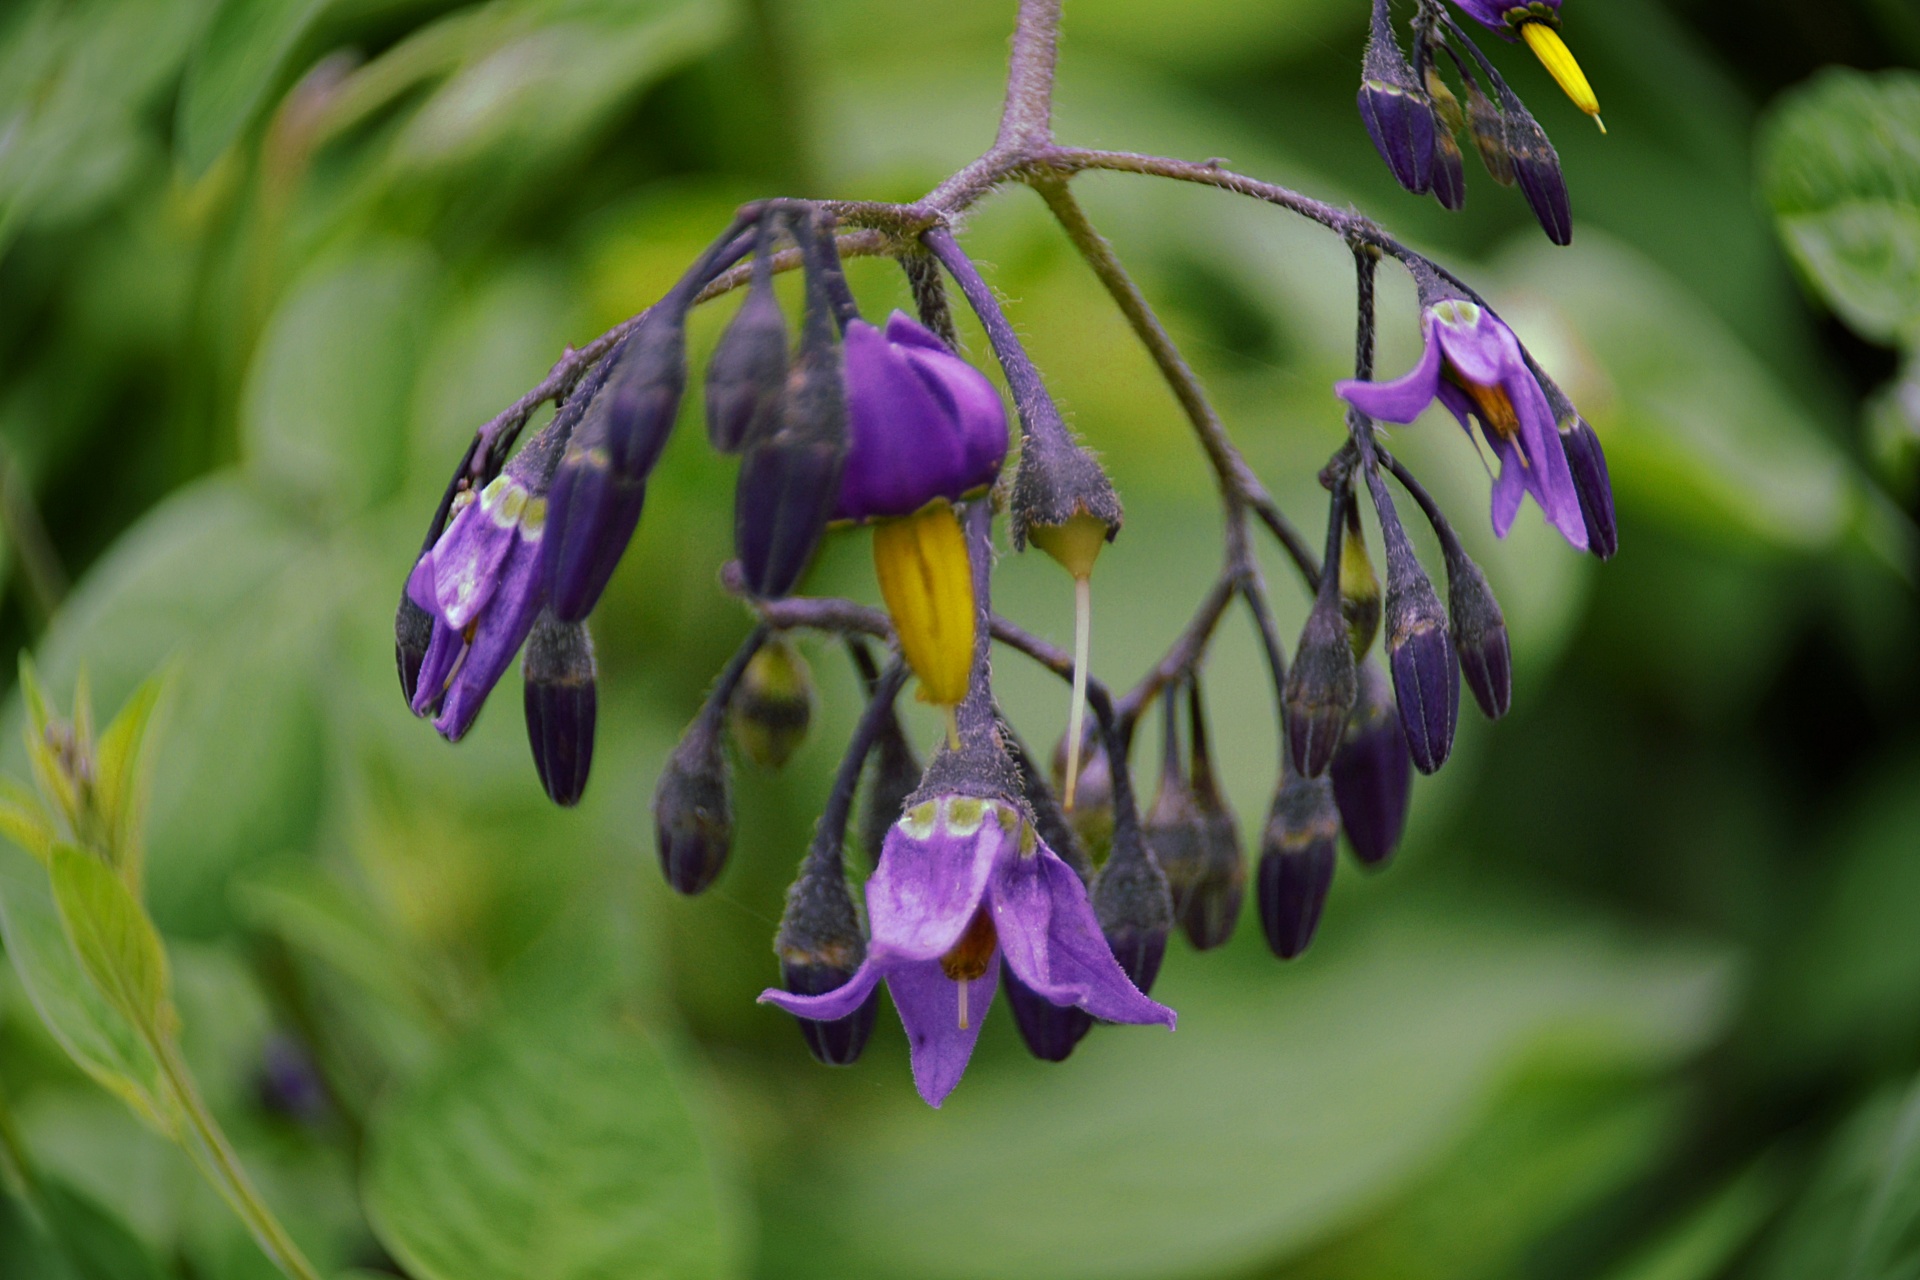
x=1640, y=1001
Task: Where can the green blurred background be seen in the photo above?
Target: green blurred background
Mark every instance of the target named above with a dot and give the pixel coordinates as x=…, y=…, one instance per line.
x=1640, y=999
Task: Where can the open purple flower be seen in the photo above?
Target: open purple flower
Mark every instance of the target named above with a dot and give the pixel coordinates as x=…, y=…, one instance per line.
x=482, y=584
x=962, y=881
x=924, y=424
x=1507, y=16
x=1474, y=366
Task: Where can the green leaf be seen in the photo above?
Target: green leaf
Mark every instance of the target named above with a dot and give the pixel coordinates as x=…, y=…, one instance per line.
x=240, y=57
x=122, y=773
x=1860, y=1219
x=96, y=1243
x=325, y=411
x=24, y=822
x=1840, y=165
x=117, y=945
x=555, y=1144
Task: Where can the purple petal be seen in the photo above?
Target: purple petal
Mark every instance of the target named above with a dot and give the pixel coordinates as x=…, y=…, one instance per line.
x=904, y=331
x=1053, y=942
x=969, y=398
x=904, y=451
x=841, y=1002
x=443, y=653
x=497, y=637
x=1402, y=400
x=1552, y=480
x=932, y=875
x=938, y=1039
x=420, y=583
x=1478, y=345
x=1510, y=488
x=468, y=557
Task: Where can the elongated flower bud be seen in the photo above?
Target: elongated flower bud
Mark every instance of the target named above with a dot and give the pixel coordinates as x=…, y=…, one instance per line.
x=1489, y=130
x=1195, y=840
x=693, y=809
x=1372, y=773
x=1536, y=165
x=1320, y=687
x=1359, y=587
x=1396, y=110
x=1296, y=862
x=748, y=371
x=1588, y=463
x=1133, y=906
x=773, y=705
x=561, y=705
x=1426, y=681
x=820, y=944
x=1479, y=634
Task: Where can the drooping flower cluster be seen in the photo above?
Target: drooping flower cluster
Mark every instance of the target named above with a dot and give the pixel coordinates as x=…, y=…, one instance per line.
x=985, y=870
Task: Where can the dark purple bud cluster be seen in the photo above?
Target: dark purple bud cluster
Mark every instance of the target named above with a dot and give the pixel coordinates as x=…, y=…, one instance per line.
x=1415, y=119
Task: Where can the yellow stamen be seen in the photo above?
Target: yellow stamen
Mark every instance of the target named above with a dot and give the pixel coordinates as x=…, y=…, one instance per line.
x=1558, y=60
x=927, y=583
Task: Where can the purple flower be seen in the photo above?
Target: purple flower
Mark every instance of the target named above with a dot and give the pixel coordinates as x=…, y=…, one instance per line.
x=482, y=584
x=1507, y=16
x=960, y=882
x=1474, y=366
x=924, y=423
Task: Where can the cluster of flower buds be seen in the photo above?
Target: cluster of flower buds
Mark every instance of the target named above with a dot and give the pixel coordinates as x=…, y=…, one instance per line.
x=986, y=873
x=1415, y=119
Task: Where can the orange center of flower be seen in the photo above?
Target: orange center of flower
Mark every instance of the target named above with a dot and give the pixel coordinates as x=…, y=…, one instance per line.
x=1495, y=410
x=969, y=957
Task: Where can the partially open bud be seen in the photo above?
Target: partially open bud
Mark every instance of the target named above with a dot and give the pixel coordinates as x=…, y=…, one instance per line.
x=693, y=809
x=1296, y=862
x=1426, y=681
x=1092, y=813
x=1479, y=634
x=1135, y=911
x=749, y=367
x=1372, y=774
x=820, y=944
x=773, y=705
x=1359, y=587
x=1395, y=109
x=926, y=580
x=1195, y=840
x=561, y=705
x=1320, y=687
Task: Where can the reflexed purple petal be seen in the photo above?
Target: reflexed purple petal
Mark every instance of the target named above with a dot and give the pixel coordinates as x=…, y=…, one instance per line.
x=1403, y=399
x=497, y=637
x=420, y=584
x=933, y=872
x=1510, y=487
x=1552, y=481
x=1053, y=942
x=938, y=1039
x=830, y=1006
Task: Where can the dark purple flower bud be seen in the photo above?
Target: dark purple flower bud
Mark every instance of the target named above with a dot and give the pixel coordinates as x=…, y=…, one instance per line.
x=1135, y=911
x=1296, y=862
x=1050, y=1031
x=1537, y=167
x=1479, y=633
x=1092, y=814
x=1372, y=774
x=1426, y=680
x=1395, y=109
x=412, y=633
x=821, y=945
x=749, y=367
x=1588, y=462
x=693, y=809
x=1321, y=685
x=773, y=704
x=591, y=511
x=923, y=423
x=561, y=704
x=634, y=412
x=1195, y=840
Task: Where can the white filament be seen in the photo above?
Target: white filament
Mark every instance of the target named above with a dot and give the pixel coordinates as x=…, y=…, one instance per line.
x=1077, y=711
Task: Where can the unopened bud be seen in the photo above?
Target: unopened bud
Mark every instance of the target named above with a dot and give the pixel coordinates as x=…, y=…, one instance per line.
x=1372, y=774
x=749, y=367
x=693, y=809
x=1135, y=911
x=1396, y=110
x=1426, y=680
x=1296, y=862
x=820, y=945
x=1195, y=840
x=1359, y=587
x=773, y=705
x=1536, y=165
x=1588, y=463
x=1320, y=687
x=1051, y=1031
x=646, y=376
x=790, y=479
x=1449, y=171
x=1489, y=135
x=1446, y=108
x=561, y=705
x=893, y=776
x=1479, y=634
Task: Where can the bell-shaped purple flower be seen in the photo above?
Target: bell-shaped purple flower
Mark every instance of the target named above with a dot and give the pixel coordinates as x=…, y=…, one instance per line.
x=924, y=424
x=961, y=882
x=1474, y=366
x=482, y=584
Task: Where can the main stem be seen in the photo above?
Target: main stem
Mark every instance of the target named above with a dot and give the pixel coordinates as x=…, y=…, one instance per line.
x=1026, y=119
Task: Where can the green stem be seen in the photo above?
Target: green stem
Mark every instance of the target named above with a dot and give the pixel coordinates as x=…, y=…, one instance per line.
x=221, y=1165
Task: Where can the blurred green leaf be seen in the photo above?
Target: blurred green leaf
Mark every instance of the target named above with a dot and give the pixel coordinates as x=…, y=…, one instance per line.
x=241, y=55
x=115, y=941
x=1860, y=1219
x=554, y=1143
x=122, y=771
x=1840, y=165
x=95, y=1242
x=326, y=402
x=1709, y=1236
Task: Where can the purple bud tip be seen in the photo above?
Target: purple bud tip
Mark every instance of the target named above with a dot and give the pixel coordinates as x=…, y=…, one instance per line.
x=782, y=500
x=1373, y=774
x=591, y=516
x=1051, y=1031
x=1426, y=684
x=1449, y=169
x=1320, y=688
x=1293, y=892
x=560, y=722
x=837, y=1043
x=1139, y=952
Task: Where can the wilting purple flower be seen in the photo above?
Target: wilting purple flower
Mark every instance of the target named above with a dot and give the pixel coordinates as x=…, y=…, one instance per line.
x=960, y=881
x=1474, y=366
x=482, y=583
x=924, y=423
x=1506, y=16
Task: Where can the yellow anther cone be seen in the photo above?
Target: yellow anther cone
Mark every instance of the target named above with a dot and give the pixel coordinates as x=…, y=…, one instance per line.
x=1559, y=62
x=927, y=583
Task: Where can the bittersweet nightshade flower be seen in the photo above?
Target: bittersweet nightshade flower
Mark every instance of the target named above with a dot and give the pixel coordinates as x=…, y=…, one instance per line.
x=1296, y=862
x=963, y=881
x=923, y=423
x=561, y=705
x=1538, y=23
x=1395, y=109
x=773, y=706
x=693, y=809
x=1474, y=366
x=1372, y=773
